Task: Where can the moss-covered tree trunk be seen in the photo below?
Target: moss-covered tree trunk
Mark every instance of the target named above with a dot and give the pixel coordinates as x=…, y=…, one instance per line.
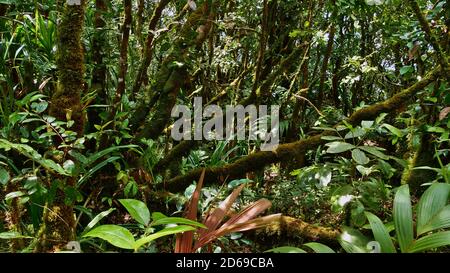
x=58, y=220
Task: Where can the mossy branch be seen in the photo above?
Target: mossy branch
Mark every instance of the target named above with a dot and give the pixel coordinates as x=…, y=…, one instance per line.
x=286, y=152
x=293, y=227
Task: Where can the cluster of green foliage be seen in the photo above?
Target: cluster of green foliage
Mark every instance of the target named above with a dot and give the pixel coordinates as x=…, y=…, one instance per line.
x=364, y=125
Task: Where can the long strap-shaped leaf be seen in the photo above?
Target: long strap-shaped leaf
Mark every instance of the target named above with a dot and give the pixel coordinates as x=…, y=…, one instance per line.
x=184, y=241
x=403, y=218
x=214, y=219
x=241, y=218
x=434, y=199
x=237, y=227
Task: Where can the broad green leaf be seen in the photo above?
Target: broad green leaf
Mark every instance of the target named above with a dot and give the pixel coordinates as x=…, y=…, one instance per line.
x=162, y=233
x=353, y=241
x=177, y=220
x=358, y=132
x=97, y=219
x=319, y=248
x=364, y=170
x=431, y=241
x=69, y=166
x=376, y=151
x=403, y=218
x=137, y=209
x=39, y=107
x=366, y=124
x=4, y=176
x=116, y=235
x=359, y=157
x=406, y=69
x=158, y=215
x=394, y=130
x=431, y=202
x=439, y=220
x=380, y=233
x=286, y=249
x=338, y=147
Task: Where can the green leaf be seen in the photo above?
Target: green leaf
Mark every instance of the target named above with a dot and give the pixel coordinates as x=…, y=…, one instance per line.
x=12, y=235
x=376, y=151
x=319, y=248
x=39, y=107
x=353, y=241
x=338, y=147
x=439, y=220
x=104, y=152
x=331, y=138
x=397, y=132
x=96, y=168
x=13, y=195
x=432, y=201
x=97, y=219
x=4, y=176
x=116, y=235
x=364, y=170
x=137, y=209
x=366, y=124
x=360, y=157
x=238, y=182
x=69, y=166
x=403, y=218
x=431, y=241
x=164, y=232
x=380, y=233
x=406, y=69
x=177, y=220
x=32, y=154
x=286, y=249
x=357, y=132
x=158, y=215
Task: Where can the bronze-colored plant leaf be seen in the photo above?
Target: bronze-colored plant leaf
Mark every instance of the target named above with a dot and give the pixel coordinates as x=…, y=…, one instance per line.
x=245, y=215
x=184, y=241
x=444, y=113
x=213, y=220
x=257, y=223
x=249, y=212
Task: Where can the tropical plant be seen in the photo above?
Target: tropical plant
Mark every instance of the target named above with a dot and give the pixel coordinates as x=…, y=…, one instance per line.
x=241, y=221
x=121, y=237
x=425, y=234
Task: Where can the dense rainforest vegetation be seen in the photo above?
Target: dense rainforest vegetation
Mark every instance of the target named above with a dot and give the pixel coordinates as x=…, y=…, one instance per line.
x=88, y=161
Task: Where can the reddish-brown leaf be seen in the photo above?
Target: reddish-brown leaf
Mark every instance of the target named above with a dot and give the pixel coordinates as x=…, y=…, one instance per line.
x=249, y=212
x=444, y=113
x=237, y=227
x=214, y=219
x=184, y=241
